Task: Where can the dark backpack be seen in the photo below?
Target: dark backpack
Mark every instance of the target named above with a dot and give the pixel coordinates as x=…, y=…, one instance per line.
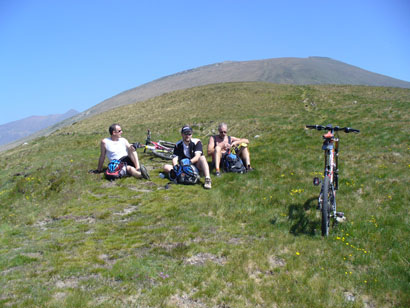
x=233, y=163
x=116, y=170
x=184, y=173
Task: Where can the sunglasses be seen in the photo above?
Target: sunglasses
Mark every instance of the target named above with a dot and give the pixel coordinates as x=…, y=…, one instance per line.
x=223, y=131
x=187, y=134
x=119, y=131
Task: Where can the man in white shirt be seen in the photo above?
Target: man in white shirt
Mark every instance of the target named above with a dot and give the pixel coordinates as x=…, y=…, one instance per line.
x=117, y=147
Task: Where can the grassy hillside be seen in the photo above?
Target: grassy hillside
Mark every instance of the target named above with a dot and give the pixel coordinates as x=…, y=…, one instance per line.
x=72, y=239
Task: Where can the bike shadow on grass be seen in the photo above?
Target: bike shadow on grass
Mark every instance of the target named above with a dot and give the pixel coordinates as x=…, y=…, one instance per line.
x=302, y=219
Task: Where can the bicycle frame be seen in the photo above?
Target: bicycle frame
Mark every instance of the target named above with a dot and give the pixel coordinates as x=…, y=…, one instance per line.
x=331, y=153
x=161, y=149
x=160, y=145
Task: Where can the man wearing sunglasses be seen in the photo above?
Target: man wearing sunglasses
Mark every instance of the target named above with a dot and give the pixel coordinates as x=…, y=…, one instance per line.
x=220, y=145
x=190, y=148
x=117, y=147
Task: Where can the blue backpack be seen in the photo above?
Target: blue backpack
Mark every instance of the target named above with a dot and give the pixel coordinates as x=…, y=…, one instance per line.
x=184, y=173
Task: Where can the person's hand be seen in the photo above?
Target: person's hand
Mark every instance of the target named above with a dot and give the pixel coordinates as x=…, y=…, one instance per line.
x=136, y=145
x=94, y=171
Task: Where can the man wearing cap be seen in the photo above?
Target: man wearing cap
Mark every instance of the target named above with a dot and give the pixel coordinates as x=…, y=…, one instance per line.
x=190, y=148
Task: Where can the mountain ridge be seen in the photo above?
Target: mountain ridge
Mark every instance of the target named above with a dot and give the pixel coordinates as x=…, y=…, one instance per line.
x=300, y=71
x=16, y=130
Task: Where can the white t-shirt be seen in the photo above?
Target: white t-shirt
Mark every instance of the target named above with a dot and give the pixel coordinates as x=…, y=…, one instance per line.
x=186, y=150
x=116, y=149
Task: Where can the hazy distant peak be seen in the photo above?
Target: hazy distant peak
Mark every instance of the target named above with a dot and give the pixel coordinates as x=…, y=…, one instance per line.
x=16, y=130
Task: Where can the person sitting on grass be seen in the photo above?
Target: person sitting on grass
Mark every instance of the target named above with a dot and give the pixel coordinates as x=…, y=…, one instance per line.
x=190, y=148
x=220, y=145
x=117, y=147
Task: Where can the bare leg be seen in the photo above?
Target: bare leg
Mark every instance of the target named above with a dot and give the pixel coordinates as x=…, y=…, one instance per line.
x=132, y=154
x=218, y=156
x=168, y=168
x=136, y=174
x=202, y=165
x=244, y=154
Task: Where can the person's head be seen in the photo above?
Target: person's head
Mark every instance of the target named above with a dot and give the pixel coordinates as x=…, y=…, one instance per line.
x=186, y=133
x=222, y=129
x=115, y=129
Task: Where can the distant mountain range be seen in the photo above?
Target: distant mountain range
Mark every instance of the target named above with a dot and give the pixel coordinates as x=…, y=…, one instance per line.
x=19, y=129
x=297, y=71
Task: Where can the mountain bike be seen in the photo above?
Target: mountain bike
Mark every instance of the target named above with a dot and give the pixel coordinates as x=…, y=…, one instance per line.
x=162, y=149
x=327, y=196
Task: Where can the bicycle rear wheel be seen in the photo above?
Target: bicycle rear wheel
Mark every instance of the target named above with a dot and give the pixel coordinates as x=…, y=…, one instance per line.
x=163, y=154
x=326, y=206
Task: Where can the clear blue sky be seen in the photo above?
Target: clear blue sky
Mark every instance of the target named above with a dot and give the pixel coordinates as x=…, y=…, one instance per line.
x=61, y=54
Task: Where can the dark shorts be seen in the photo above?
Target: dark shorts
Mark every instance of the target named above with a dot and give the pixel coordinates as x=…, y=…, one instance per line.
x=127, y=160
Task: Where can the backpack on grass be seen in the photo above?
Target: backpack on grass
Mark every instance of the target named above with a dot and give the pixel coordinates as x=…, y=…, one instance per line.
x=184, y=173
x=116, y=170
x=233, y=163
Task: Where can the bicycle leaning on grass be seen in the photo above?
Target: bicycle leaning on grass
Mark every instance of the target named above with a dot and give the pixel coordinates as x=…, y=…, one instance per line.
x=327, y=196
x=161, y=148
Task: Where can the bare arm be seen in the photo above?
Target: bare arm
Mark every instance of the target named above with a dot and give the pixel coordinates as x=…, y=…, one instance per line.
x=129, y=147
x=211, y=146
x=175, y=161
x=195, y=159
x=102, y=156
x=238, y=141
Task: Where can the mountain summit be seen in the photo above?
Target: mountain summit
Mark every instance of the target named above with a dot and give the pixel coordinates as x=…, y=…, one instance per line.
x=298, y=71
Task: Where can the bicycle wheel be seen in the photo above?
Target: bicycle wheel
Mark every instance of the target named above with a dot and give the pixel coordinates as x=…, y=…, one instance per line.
x=326, y=206
x=163, y=154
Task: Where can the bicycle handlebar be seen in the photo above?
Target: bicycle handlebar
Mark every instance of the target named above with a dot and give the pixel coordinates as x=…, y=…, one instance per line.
x=333, y=128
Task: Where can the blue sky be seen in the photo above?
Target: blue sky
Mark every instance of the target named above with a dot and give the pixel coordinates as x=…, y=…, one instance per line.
x=58, y=55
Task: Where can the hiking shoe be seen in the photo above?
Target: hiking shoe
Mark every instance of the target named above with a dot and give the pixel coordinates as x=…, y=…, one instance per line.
x=250, y=169
x=217, y=173
x=144, y=172
x=207, y=184
x=341, y=219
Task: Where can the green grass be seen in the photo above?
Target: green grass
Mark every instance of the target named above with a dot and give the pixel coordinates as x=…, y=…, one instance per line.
x=69, y=238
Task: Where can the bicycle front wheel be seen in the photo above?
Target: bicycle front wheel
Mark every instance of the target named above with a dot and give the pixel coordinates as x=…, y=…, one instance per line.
x=326, y=206
x=163, y=154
